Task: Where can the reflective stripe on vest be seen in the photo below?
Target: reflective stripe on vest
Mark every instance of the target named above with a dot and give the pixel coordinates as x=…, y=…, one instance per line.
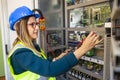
x=27, y=75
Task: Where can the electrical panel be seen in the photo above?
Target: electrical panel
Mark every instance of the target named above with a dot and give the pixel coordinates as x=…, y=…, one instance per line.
x=83, y=16
x=68, y=22
x=115, y=40
x=54, y=32
x=54, y=43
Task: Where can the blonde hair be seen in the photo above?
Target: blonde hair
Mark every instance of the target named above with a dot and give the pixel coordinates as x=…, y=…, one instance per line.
x=23, y=35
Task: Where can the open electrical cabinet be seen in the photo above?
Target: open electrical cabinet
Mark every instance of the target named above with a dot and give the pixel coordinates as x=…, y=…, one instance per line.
x=68, y=22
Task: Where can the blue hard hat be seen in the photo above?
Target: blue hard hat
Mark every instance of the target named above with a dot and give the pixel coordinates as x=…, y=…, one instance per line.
x=20, y=13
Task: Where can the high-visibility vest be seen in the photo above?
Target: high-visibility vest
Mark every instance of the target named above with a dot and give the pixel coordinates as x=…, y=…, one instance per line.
x=27, y=75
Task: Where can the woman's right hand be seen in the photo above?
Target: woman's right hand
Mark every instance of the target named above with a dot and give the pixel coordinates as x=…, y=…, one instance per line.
x=90, y=41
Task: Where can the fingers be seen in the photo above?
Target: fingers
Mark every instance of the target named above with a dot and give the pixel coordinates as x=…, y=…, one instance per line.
x=90, y=42
x=67, y=50
x=93, y=37
x=98, y=41
x=91, y=34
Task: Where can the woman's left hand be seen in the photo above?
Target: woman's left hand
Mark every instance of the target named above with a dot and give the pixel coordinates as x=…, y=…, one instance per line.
x=62, y=54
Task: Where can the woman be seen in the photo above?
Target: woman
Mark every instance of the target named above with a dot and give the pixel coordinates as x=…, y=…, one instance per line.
x=27, y=61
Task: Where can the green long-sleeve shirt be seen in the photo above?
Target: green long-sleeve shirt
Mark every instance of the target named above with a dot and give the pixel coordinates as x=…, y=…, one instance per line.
x=24, y=59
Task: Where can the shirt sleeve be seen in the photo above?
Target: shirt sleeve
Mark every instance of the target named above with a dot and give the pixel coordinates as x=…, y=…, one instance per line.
x=24, y=59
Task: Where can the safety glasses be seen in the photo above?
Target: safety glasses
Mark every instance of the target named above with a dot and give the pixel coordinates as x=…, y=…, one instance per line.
x=34, y=24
